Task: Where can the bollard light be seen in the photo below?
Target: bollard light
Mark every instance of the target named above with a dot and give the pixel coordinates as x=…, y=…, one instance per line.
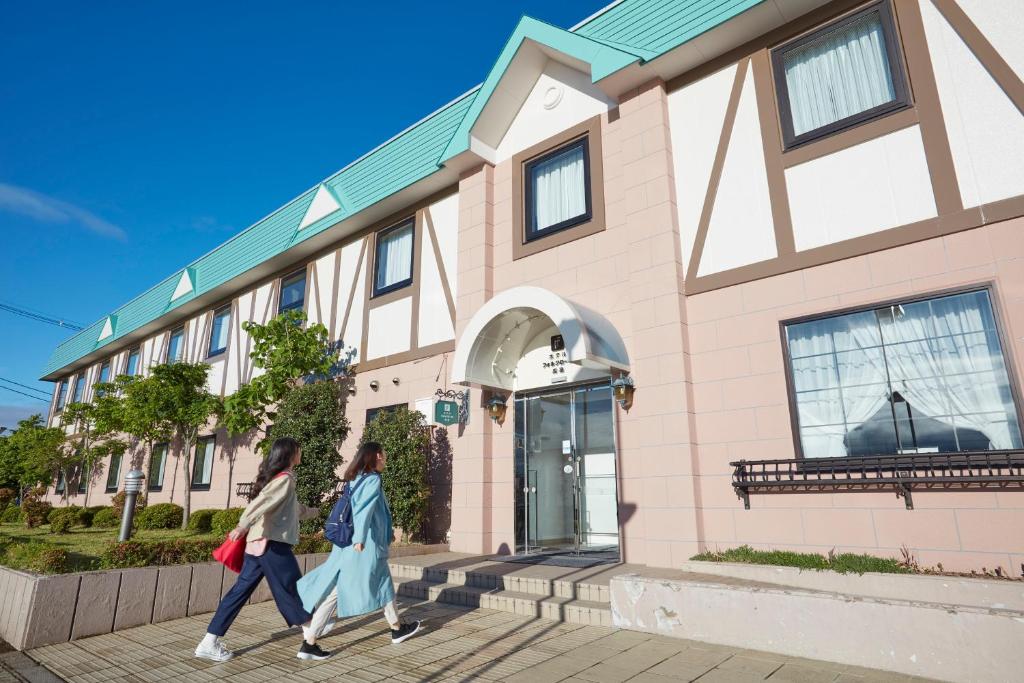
x=133, y=483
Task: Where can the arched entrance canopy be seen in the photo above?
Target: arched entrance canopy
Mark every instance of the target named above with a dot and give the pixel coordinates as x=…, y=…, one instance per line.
x=498, y=333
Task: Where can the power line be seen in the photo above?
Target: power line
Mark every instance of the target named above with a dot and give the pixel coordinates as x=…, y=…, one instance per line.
x=39, y=317
x=25, y=386
x=43, y=400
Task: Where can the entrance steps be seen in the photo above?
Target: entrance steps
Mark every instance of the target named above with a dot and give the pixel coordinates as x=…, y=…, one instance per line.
x=575, y=596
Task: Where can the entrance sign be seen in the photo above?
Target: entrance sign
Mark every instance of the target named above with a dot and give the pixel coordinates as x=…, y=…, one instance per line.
x=446, y=412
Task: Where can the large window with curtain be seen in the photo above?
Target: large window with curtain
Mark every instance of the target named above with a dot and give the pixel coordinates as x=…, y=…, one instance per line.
x=219, y=333
x=557, y=190
x=131, y=364
x=157, y=463
x=176, y=345
x=114, y=472
x=393, y=262
x=844, y=74
x=293, y=292
x=202, y=465
x=923, y=376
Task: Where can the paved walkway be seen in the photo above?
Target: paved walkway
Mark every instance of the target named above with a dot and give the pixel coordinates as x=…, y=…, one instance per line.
x=456, y=645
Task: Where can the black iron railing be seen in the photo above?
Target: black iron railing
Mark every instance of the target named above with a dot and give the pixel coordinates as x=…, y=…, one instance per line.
x=244, y=489
x=899, y=473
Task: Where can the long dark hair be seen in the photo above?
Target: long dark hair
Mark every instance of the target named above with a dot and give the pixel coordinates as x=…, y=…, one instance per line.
x=280, y=458
x=365, y=460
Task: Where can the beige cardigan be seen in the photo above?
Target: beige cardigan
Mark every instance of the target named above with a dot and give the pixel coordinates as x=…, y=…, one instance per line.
x=275, y=513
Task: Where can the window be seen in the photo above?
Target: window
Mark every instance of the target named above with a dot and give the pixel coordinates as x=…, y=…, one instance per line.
x=176, y=345
x=79, y=393
x=131, y=366
x=62, y=395
x=393, y=263
x=84, y=476
x=842, y=75
x=925, y=376
x=59, y=486
x=202, y=467
x=114, y=472
x=104, y=375
x=293, y=292
x=371, y=413
x=219, y=333
x=157, y=462
x=558, y=190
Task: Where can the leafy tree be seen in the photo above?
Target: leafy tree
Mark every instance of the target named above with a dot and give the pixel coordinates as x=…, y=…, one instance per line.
x=142, y=415
x=186, y=406
x=94, y=437
x=314, y=415
x=405, y=438
x=32, y=453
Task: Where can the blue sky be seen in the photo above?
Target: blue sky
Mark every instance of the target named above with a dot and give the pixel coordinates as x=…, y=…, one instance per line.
x=135, y=137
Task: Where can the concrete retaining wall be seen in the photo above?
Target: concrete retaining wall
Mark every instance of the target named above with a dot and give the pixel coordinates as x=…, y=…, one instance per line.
x=38, y=610
x=941, y=641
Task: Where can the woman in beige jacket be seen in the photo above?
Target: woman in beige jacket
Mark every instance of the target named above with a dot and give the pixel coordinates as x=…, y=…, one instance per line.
x=270, y=524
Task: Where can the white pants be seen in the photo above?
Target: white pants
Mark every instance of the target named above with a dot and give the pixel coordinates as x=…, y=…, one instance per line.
x=329, y=608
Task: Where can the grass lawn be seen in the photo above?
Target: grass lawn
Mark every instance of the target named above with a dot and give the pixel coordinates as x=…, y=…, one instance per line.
x=842, y=563
x=85, y=545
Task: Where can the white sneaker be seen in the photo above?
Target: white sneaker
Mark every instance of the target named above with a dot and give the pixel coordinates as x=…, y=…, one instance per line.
x=215, y=652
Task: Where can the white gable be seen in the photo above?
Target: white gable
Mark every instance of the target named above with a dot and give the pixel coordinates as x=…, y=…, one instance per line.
x=184, y=285
x=323, y=204
x=561, y=98
x=108, y=329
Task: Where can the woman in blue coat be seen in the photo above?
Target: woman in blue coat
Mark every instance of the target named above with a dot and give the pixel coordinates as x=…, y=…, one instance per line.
x=356, y=579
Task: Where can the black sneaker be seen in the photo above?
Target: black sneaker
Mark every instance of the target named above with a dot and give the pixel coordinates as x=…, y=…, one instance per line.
x=308, y=651
x=405, y=631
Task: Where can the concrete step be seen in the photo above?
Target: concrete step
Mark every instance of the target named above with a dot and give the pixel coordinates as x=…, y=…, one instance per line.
x=506, y=577
x=527, y=604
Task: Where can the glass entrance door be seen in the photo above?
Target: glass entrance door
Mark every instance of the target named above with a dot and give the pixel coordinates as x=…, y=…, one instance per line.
x=565, y=471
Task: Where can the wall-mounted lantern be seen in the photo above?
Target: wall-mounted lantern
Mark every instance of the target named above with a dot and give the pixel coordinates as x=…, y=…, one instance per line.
x=623, y=388
x=496, y=408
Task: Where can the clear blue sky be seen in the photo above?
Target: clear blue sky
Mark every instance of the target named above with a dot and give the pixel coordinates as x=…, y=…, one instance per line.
x=135, y=137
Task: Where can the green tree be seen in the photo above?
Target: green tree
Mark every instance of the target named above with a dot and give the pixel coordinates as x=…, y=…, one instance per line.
x=405, y=438
x=32, y=453
x=187, y=407
x=142, y=414
x=314, y=415
x=94, y=433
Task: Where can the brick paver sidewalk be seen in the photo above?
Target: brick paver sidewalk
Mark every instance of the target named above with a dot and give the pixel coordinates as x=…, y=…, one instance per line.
x=457, y=644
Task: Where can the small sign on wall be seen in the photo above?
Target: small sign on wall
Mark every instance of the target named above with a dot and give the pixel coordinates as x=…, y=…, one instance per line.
x=446, y=412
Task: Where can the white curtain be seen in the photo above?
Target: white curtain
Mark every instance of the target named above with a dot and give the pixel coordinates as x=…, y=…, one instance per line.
x=841, y=74
x=395, y=254
x=203, y=467
x=559, y=189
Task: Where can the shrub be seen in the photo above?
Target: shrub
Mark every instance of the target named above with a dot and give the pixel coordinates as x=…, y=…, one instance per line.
x=62, y=519
x=136, y=553
x=105, y=518
x=12, y=515
x=225, y=520
x=405, y=438
x=6, y=496
x=117, y=502
x=201, y=521
x=37, y=557
x=36, y=511
x=87, y=515
x=842, y=563
x=160, y=516
x=312, y=543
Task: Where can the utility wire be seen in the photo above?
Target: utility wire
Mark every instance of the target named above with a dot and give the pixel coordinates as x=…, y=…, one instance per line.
x=40, y=317
x=43, y=400
x=25, y=386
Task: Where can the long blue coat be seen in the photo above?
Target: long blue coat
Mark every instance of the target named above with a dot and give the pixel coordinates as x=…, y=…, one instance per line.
x=363, y=578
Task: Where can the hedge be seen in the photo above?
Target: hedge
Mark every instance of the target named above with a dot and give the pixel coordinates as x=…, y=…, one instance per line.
x=106, y=518
x=201, y=521
x=160, y=516
x=225, y=520
x=12, y=515
x=62, y=519
x=35, y=556
x=36, y=512
x=88, y=514
x=135, y=553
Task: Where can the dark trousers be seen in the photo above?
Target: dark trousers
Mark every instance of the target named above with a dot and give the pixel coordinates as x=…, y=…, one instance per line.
x=279, y=566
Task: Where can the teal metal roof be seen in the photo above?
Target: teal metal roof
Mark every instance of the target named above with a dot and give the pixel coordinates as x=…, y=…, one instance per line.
x=631, y=31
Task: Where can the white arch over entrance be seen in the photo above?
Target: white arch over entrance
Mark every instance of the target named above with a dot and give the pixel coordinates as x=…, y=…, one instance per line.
x=505, y=327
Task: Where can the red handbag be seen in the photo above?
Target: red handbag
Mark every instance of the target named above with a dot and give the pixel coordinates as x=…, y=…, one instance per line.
x=231, y=554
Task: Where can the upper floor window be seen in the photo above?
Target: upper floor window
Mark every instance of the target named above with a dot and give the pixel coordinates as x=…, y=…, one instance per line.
x=176, y=345
x=557, y=190
x=393, y=262
x=131, y=365
x=219, y=333
x=925, y=376
x=839, y=76
x=62, y=395
x=202, y=466
x=104, y=375
x=79, y=393
x=293, y=292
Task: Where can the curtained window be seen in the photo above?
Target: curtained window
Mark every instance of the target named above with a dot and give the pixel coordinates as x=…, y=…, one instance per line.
x=157, y=462
x=219, y=333
x=62, y=395
x=393, y=263
x=114, y=472
x=558, y=190
x=202, y=465
x=845, y=74
x=293, y=292
x=79, y=393
x=920, y=377
x=131, y=366
x=176, y=345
